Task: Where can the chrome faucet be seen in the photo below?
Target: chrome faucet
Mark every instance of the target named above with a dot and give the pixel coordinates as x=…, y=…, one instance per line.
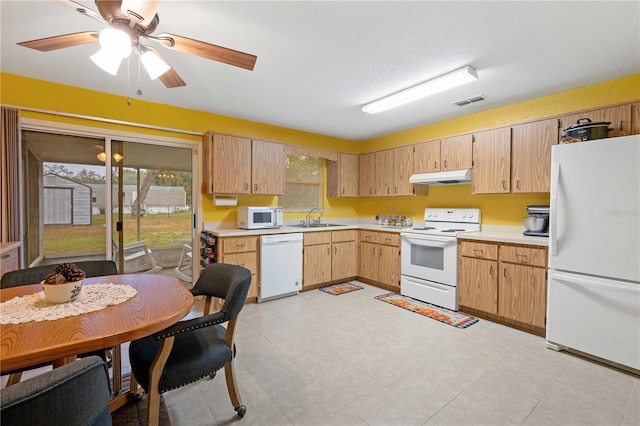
x=309, y=215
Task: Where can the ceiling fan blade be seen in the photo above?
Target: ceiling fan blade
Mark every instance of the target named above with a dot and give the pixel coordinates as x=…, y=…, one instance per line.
x=170, y=78
x=62, y=41
x=81, y=9
x=208, y=51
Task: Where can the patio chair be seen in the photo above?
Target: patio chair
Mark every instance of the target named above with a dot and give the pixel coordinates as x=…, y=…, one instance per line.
x=184, y=268
x=76, y=394
x=199, y=347
x=137, y=258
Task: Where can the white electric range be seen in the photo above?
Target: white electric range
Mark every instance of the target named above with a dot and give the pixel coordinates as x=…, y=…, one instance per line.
x=429, y=256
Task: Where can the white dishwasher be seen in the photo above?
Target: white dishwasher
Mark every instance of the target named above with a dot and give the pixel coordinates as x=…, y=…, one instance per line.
x=280, y=265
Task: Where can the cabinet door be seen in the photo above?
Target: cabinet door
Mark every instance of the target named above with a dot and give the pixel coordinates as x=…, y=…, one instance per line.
x=250, y=261
x=456, y=153
x=492, y=162
x=369, y=260
x=389, y=265
x=268, y=165
x=478, y=284
x=367, y=175
x=343, y=260
x=231, y=168
x=426, y=158
x=317, y=264
x=403, y=168
x=531, y=155
x=342, y=176
x=619, y=116
x=523, y=295
x=384, y=173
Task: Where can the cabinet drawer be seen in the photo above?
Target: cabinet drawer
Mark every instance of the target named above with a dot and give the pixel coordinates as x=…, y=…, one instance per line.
x=524, y=255
x=368, y=236
x=313, y=238
x=239, y=244
x=9, y=261
x=389, y=239
x=339, y=236
x=248, y=260
x=479, y=250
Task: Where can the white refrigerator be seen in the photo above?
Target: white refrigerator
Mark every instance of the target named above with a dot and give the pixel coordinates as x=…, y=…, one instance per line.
x=593, y=294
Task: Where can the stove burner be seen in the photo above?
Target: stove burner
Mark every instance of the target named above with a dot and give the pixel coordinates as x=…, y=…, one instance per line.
x=426, y=228
x=452, y=230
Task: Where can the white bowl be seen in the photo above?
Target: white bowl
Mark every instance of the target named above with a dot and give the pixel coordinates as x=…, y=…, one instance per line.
x=62, y=293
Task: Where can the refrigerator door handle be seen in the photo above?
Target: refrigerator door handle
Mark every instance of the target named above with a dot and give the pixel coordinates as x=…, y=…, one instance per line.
x=596, y=283
x=555, y=179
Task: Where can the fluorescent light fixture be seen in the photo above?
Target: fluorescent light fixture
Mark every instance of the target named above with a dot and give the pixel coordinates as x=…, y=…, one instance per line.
x=106, y=61
x=153, y=64
x=430, y=87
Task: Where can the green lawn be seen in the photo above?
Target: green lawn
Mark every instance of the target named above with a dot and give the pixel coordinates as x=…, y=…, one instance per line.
x=158, y=230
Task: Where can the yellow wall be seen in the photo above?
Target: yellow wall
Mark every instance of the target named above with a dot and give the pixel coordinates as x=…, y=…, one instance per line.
x=496, y=209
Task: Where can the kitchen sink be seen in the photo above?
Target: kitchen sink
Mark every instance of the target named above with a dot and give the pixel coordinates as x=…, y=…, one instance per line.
x=316, y=225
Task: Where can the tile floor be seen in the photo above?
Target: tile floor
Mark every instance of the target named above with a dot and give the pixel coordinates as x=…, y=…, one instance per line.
x=318, y=359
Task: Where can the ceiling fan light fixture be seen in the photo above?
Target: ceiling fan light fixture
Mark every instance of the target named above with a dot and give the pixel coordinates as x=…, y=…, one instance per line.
x=116, y=42
x=142, y=11
x=419, y=91
x=106, y=61
x=153, y=63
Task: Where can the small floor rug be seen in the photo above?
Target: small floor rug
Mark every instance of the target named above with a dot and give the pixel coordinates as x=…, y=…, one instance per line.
x=338, y=289
x=447, y=316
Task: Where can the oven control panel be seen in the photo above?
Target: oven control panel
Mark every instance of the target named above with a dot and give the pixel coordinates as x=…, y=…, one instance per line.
x=452, y=215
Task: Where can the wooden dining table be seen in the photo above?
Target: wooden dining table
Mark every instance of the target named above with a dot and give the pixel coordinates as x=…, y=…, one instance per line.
x=160, y=302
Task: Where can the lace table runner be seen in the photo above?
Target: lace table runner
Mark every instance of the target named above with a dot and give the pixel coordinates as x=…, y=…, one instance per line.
x=92, y=298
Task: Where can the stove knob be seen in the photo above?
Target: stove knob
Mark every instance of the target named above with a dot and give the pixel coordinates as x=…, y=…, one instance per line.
x=464, y=215
x=428, y=214
x=435, y=215
x=470, y=215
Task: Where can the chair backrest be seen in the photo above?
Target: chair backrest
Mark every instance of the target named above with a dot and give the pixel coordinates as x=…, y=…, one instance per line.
x=76, y=394
x=92, y=268
x=228, y=282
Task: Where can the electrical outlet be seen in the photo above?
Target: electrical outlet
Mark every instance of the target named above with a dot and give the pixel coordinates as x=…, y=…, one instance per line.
x=393, y=209
x=346, y=209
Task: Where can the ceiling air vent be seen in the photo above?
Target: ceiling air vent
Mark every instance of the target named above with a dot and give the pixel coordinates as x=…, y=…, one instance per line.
x=472, y=100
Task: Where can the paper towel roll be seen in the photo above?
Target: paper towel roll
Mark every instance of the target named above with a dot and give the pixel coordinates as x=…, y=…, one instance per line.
x=225, y=200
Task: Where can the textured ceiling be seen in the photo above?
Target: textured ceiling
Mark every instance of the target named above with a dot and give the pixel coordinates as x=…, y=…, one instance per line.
x=319, y=62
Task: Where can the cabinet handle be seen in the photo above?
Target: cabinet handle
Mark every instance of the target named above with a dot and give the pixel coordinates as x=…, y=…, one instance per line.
x=255, y=186
x=6, y=256
x=388, y=190
x=504, y=272
x=491, y=270
x=621, y=125
x=342, y=190
x=240, y=245
x=395, y=188
x=435, y=165
x=246, y=186
x=521, y=255
x=374, y=250
x=518, y=183
x=368, y=237
x=504, y=184
x=478, y=250
x=335, y=249
x=380, y=253
x=328, y=250
x=445, y=164
x=387, y=239
x=370, y=191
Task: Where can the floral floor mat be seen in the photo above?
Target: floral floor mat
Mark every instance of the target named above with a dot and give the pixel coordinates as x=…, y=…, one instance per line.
x=338, y=289
x=447, y=316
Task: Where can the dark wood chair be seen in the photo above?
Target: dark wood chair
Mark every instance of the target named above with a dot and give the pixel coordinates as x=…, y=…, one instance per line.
x=199, y=347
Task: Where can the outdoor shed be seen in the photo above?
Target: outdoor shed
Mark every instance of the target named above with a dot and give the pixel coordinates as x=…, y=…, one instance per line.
x=66, y=202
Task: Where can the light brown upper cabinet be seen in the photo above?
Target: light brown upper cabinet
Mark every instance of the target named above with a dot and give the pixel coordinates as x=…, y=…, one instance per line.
x=619, y=116
x=237, y=165
x=386, y=173
x=492, y=161
x=367, y=187
x=456, y=152
x=426, y=157
x=531, y=155
x=227, y=164
x=342, y=176
x=267, y=168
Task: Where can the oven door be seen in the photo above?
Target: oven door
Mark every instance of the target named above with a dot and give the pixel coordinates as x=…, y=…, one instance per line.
x=430, y=257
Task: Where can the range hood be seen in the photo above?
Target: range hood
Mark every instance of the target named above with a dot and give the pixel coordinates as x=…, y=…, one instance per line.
x=453, y=177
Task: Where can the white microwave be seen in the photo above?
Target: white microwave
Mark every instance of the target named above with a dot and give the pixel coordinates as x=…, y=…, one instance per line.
x=260, y=217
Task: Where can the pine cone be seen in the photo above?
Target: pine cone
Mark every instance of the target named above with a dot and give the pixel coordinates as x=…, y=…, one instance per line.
x=54, y=279
x=70, y=271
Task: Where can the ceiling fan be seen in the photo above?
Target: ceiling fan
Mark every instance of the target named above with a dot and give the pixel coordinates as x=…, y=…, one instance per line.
x=131, y=20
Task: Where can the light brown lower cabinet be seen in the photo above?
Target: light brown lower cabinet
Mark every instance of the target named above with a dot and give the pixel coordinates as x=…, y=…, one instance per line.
x=329, y=257
x=504, y=282
x=380, y=258
x=242, y=251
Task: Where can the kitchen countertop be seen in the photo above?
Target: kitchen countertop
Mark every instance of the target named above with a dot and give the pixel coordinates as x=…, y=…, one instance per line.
x=236, y=232
x=5, y=247
x=505, y=234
